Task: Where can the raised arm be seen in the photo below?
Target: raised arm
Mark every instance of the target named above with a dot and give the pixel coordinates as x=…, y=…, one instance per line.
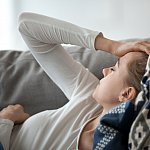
x=119, y=48
x=44, y=36
x=51, y=31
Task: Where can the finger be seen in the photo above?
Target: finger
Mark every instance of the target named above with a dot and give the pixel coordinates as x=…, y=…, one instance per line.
x=145, y=47
x=24, y=117
x=18, y=106
x=3, y=110
x=141, y=47
x=146, y=42
x=10, y=106
x=148, y=52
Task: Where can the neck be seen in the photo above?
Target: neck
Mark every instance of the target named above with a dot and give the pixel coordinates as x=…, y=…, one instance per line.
x=107, y=108
x=104, y=112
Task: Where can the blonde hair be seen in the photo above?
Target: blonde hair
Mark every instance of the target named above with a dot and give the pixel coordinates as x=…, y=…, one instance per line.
x=136, y=70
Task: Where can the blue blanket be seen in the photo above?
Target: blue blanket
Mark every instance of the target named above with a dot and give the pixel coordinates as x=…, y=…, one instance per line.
x=1, y=147
x=114, y=132
x=139, y=137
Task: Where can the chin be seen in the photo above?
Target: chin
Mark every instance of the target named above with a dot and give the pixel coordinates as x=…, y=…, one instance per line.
x=94, y=96
x=94, y=93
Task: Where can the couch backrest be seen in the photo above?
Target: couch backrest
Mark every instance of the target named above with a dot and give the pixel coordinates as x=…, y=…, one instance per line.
x=23, y=81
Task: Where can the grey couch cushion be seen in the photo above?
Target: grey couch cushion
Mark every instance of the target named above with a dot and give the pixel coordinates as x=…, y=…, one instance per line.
x=23, y=81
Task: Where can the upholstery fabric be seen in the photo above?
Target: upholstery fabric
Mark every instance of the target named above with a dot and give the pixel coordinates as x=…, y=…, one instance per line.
x=23, y=81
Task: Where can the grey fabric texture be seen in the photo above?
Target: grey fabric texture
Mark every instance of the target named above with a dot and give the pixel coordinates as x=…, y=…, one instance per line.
x=23, y=81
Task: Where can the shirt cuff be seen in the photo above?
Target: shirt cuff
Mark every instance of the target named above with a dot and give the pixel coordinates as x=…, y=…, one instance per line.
x=6, y=121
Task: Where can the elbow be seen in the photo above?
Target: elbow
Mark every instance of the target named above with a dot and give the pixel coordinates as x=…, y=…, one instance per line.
x=24, y=16
x=22, y=23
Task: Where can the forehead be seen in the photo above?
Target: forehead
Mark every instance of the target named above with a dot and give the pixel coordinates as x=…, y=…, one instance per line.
x=129, y=57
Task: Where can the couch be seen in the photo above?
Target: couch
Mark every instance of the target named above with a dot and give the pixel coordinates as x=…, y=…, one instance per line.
x=24, y=82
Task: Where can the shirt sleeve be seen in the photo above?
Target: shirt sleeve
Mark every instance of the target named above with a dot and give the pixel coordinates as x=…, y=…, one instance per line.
x=44, y=36
x=6, y=127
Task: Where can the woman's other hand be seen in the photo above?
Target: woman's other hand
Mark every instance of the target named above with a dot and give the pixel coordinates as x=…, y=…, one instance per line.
x=14, y=113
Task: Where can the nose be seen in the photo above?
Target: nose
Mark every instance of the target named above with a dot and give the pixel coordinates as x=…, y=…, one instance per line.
x=105, y=71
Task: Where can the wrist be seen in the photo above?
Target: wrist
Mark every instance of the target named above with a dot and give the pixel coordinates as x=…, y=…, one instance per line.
x=6, y=122
x=104, y=44
x=7, y=117
x=98, y=41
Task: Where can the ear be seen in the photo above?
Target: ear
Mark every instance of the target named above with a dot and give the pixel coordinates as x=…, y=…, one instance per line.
x=127, y=94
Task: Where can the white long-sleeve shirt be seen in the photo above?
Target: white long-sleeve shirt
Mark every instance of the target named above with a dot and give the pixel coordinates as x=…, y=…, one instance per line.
x=55, y=129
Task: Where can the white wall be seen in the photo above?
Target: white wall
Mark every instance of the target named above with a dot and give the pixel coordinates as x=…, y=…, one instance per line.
x=117, y=19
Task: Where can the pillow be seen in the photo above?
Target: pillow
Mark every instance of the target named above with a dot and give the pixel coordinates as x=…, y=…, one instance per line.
x=24, y=82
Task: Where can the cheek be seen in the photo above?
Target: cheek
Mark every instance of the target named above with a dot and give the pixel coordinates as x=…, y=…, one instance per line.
x=100, y=93
x=107, y=91
x=111, y=85
x=106, y=84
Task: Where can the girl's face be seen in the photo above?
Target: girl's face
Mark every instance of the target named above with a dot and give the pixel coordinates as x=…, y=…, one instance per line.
x=110, y=87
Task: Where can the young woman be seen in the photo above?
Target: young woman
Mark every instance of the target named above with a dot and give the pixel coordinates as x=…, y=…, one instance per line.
x=72, y=126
